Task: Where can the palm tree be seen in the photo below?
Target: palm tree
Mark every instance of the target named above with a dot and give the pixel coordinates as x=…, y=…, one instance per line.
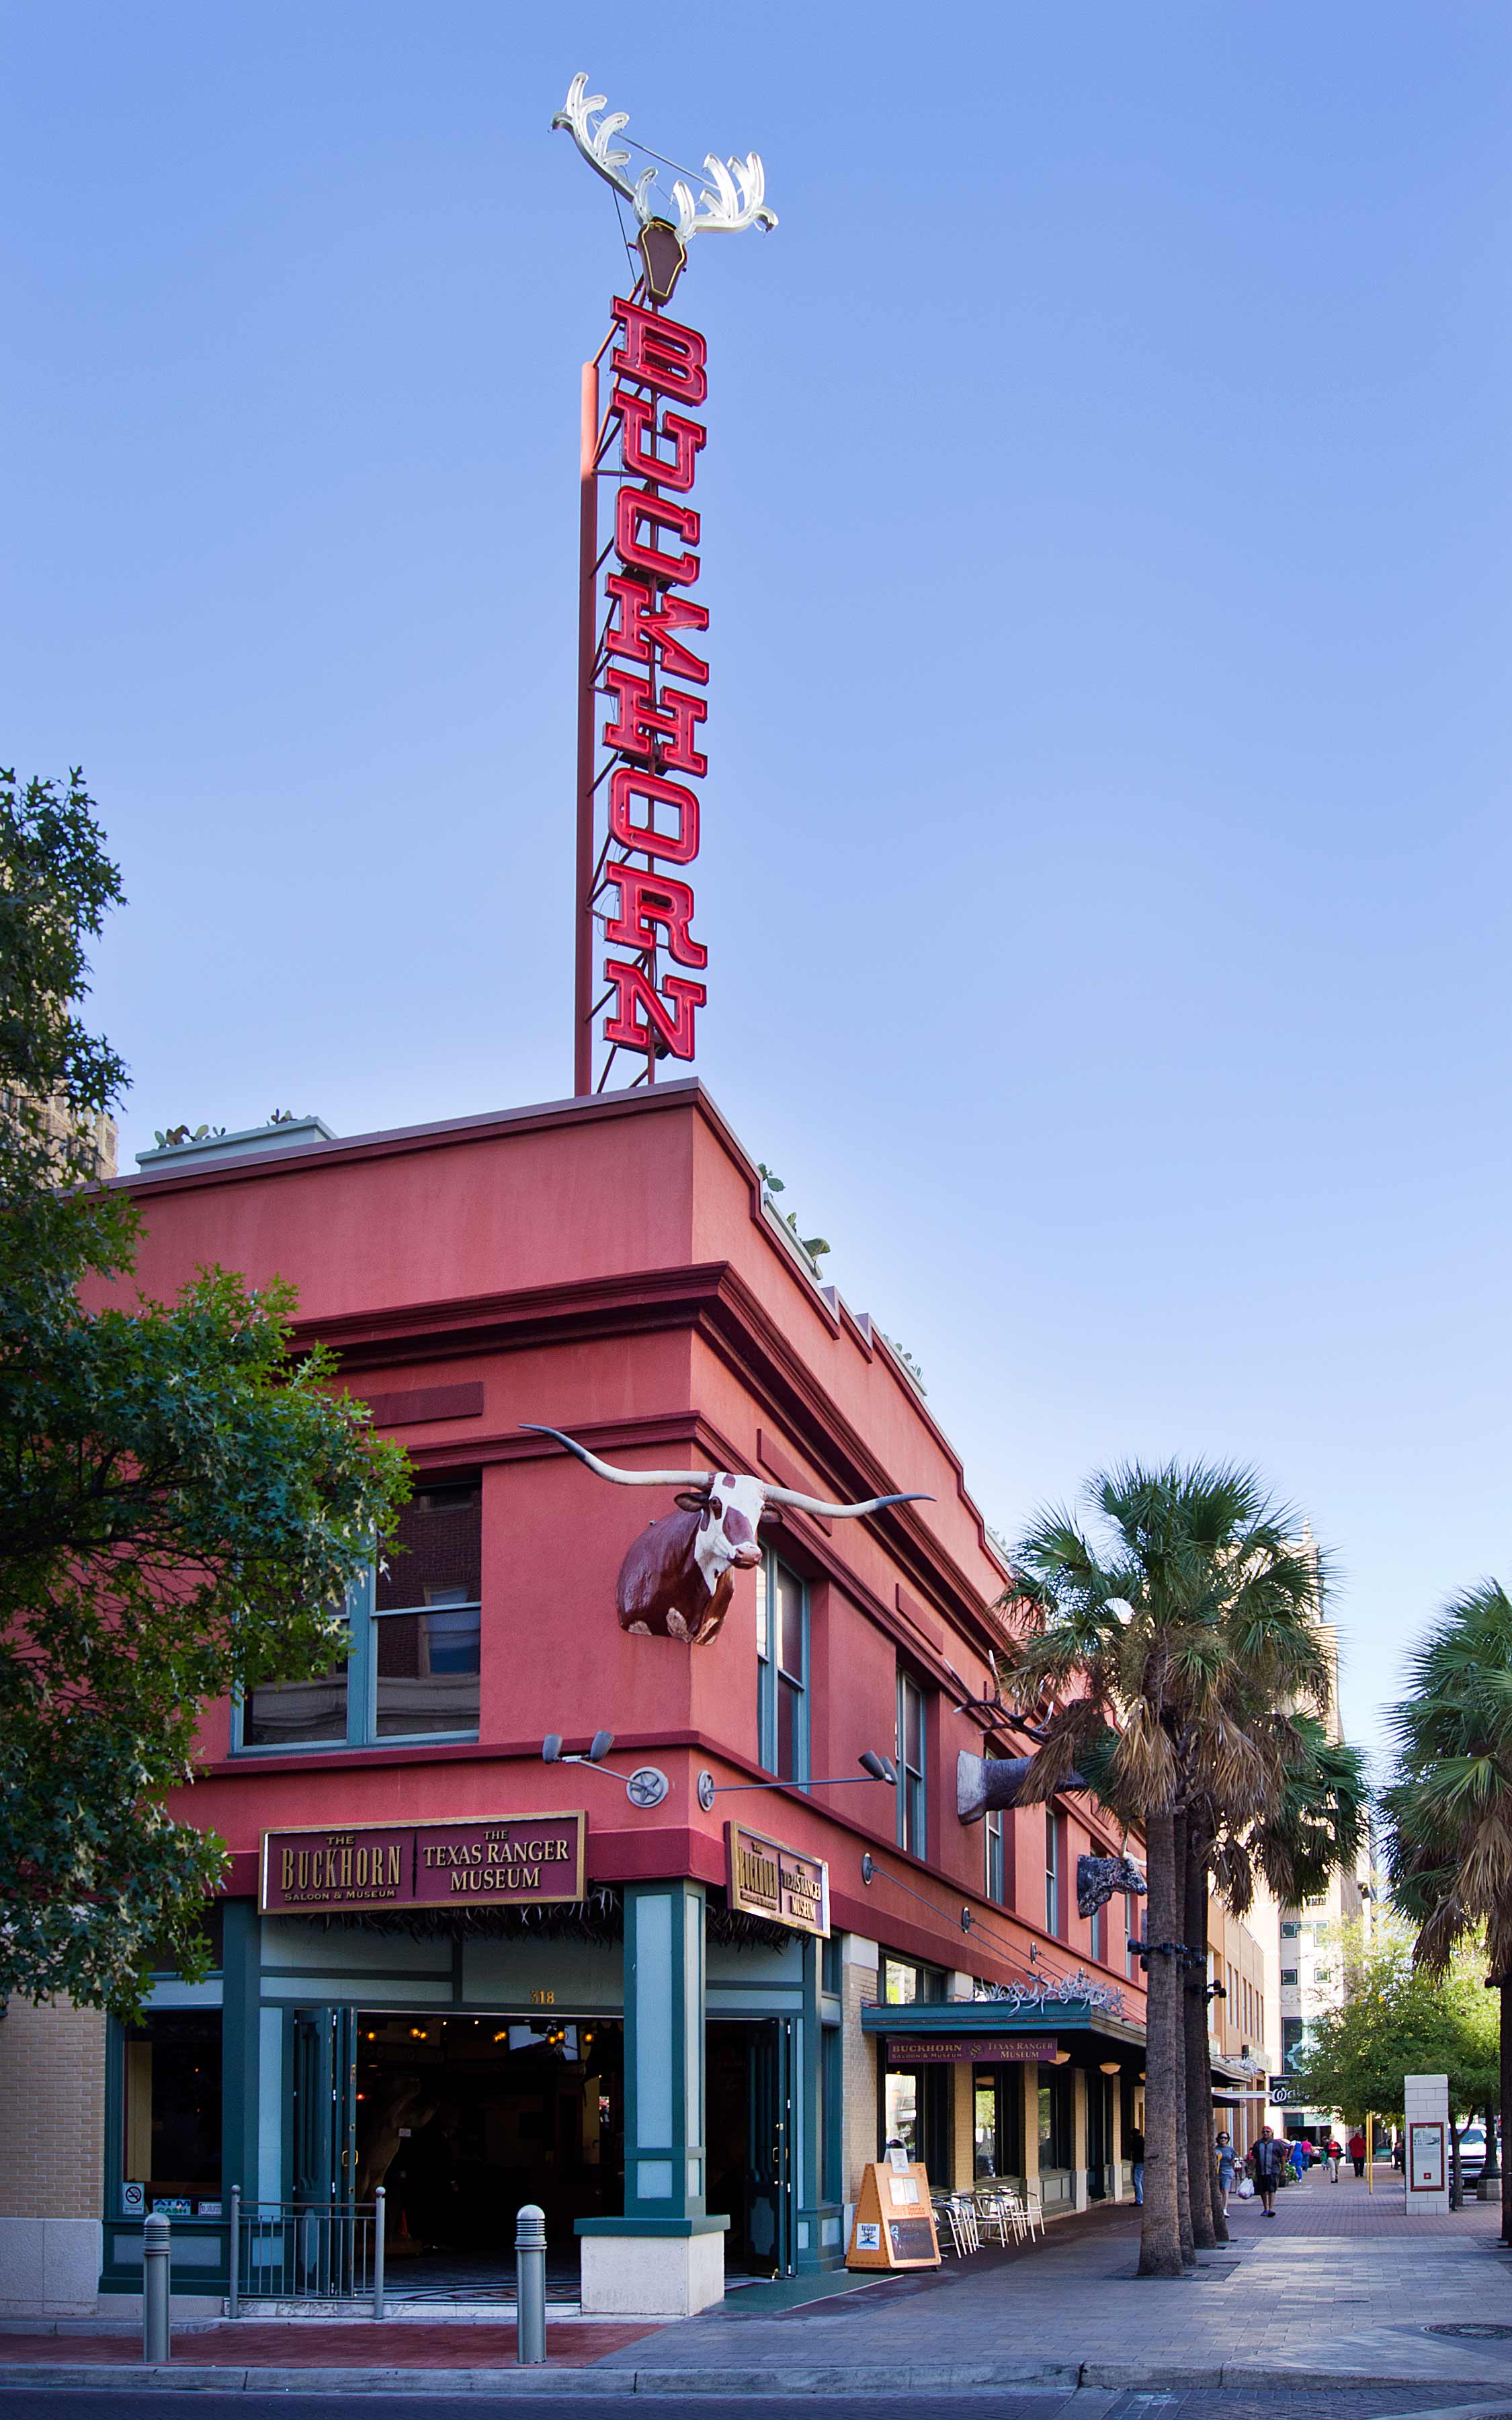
x=1140, y=1639
x=1449, y=1809
x=1309, y=1822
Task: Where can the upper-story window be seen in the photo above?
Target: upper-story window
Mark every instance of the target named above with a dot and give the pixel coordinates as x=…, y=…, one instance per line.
x=783, y=1670
x=1055, y=1866
x=996, y=1862
x=1097, y=1934
x=415, y=1629
x=904, y=1979
x=911, y=1730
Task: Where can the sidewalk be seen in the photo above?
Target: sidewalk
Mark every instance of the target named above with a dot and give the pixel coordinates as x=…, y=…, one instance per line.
x=1340, y=2288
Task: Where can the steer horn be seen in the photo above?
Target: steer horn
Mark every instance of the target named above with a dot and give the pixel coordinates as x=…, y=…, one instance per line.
x=610, y=1470
x=984, y=1782
x=705, y=1479
x=839, y=1511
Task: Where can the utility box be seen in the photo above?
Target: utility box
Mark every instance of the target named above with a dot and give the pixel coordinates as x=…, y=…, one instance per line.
x=1427, y=2099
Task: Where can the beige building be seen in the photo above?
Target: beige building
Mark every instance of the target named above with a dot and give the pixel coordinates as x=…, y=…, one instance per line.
x=1239, y=2046
x=1301, y=1946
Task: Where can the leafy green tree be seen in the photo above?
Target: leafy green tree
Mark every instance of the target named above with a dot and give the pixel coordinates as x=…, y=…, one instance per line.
x=1398, y=2020
x=1449, y=1808
x=182, y=1501
x=1141, y=1636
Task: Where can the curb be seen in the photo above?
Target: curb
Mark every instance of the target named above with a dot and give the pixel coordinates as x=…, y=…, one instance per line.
x=828, y=2378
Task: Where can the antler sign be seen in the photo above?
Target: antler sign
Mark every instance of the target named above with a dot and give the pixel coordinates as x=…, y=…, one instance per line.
x=640, y=631
x=737, y=201
x=678, y=1576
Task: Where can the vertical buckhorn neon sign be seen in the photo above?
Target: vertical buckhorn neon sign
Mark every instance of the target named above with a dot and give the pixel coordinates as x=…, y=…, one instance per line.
x=638, y=629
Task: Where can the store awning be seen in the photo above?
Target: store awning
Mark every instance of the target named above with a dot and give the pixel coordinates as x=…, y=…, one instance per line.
x=996, y=2031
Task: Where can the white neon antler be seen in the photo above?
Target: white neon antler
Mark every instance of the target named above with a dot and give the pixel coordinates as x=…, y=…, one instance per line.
x=576, y=115
x=739, y=199
x=738, y=196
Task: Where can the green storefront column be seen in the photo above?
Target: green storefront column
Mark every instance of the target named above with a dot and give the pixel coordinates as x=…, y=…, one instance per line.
x=240, y=2048
x=666, y=2254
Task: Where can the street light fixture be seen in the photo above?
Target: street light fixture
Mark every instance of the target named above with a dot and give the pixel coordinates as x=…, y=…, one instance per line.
x=873, y=1768
x=647, y=1786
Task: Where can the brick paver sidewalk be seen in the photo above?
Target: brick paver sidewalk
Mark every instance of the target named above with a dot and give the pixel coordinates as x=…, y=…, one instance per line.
x=334, y=2344
x=1341, y=2280
x=1342, y=2284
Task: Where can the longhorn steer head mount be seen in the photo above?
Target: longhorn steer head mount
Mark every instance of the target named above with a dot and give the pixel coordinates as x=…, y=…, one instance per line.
x=678, y=1576
x=1098, y=1878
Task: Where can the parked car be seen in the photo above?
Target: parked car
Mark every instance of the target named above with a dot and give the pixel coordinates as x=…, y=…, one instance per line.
x=1472, y=2153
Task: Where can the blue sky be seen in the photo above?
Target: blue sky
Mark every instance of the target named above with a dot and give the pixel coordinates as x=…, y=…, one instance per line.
x=1106, y=531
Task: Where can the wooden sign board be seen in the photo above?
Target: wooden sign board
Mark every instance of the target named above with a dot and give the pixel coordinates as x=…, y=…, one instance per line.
x=894, y=2226
x=766, y=1879
x=498, y=1860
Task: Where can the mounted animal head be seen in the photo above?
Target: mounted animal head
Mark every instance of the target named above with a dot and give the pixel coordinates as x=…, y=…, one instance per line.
x=1098, y=1878
x=677, y=1576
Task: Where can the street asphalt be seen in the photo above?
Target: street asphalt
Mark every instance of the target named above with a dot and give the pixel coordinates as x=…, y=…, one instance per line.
x=1086, y=2403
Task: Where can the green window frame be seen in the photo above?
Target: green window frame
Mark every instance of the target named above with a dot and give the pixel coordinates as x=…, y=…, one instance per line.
x=413, y=1670
x=782, y=1640
x=911, y=1743
x=996, y=1862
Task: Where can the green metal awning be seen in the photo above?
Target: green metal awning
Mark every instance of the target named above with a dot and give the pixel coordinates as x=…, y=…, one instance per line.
x=966, y=2023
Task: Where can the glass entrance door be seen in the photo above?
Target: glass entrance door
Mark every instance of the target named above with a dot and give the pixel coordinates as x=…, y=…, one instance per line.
x=319, y=2235
x=325, y=2105
x=769, y=2191
x=750, y=2146
x=1098, y=2133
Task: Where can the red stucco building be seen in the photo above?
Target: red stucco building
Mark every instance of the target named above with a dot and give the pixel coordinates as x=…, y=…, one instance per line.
x=682, y=2083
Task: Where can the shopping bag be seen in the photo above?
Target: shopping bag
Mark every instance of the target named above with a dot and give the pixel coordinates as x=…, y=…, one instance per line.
x=1246, y=2189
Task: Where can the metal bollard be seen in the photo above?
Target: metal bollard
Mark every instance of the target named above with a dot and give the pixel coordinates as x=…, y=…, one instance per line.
x=157, y=2262
x=233, y=2265
x=379, y=2213
x=530, y=2284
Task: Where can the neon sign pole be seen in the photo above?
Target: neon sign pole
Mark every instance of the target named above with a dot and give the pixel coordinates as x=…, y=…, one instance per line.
x=637, y=814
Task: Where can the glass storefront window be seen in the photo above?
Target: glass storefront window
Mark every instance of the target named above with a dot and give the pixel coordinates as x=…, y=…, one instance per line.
x=900, y=1981
x=901, y=2114
x=1055, y=2118
x=984, y=2127
x=171, y=2108
x=997, y=2121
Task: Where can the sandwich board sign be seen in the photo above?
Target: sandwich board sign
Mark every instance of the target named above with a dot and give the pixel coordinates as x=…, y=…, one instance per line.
x=894, y=2224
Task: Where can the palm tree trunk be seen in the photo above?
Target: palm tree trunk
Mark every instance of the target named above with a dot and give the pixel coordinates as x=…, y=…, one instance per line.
x=1505, y=2000
x=1209, y=2226
x=1184, y=2152
x=1159, y=2236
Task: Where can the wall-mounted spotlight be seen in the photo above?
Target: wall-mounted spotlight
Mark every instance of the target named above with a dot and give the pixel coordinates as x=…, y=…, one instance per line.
x=873, y=1768
x=647, y=1786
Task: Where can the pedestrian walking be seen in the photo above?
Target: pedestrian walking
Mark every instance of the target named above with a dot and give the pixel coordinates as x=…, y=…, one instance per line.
x=1228, y=2162
x=1357, y=2152
x=1137, y=2163
x=1335, y=2153
x=1268, y=2160
x=1299, y=2159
